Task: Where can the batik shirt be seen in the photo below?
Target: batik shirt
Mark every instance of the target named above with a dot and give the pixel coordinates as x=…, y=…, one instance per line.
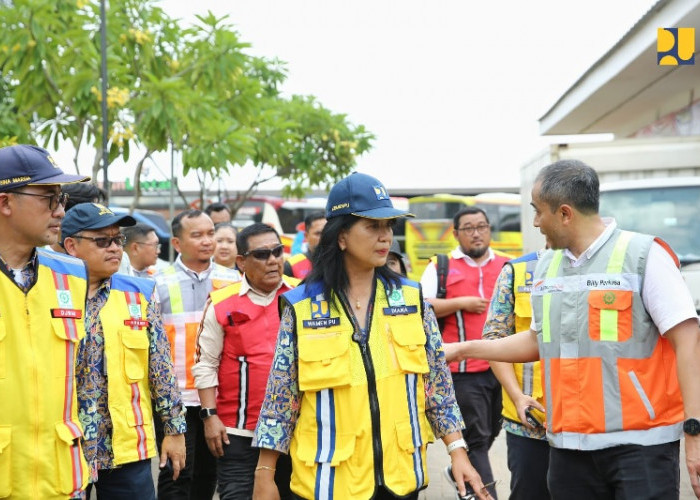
x=500, y=323
x=280, y=407
x=93, y=410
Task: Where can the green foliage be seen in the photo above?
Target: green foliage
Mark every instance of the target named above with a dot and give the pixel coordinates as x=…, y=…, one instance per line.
x=194, y=88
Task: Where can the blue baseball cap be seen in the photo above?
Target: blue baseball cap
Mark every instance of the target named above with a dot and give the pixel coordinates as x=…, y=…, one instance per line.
x=87, y=216
x=23, y=164
x=364, y=196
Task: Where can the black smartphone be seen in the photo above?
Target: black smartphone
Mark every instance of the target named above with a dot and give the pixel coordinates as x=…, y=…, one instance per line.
x=532, y=415
x=469, y=494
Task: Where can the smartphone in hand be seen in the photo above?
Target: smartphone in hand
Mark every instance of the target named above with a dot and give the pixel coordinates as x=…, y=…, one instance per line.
x=534, y=417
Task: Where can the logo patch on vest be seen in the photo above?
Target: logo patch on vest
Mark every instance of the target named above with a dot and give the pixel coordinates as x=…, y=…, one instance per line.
x=135, y=310
x=65, y=300
x=398, y=310
x=552, y=287
x=608, y=298
x=320, y=323
x=396, y=298
x=320, y=308
x=66, y=313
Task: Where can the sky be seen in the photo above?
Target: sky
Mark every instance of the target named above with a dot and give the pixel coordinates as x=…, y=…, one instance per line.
x=452, y=89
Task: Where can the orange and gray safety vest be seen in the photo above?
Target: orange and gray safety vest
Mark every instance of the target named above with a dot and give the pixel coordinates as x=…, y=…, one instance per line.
x=182, y=299
x=610, y=377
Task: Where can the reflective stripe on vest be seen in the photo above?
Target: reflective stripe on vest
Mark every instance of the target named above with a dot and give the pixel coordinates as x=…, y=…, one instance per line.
x=528, y=375
x=127, y=353
x=610, y=377
x=40, y=448
x=334, y=446
x=180, y=295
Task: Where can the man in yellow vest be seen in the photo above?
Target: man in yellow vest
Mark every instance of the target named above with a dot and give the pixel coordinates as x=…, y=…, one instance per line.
x=235, y=347
x=617, y=332
x=528, y=451
x=123, y=363
x=183, y=289
x=42, y=306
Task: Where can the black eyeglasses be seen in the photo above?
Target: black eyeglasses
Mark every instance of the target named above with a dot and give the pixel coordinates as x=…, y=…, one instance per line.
x=481, y=229
x=104, y=242
x=264, y=253
x=54, y=199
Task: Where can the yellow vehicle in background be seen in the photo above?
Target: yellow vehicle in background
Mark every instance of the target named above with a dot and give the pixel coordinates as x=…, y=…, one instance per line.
x=430, y=232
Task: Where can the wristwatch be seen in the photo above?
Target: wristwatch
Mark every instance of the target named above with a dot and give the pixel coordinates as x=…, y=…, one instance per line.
x=691, y=426
x=205, y=413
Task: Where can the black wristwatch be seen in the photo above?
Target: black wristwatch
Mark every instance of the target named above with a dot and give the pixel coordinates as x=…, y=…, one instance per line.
x=691, y=426
x=205, y=413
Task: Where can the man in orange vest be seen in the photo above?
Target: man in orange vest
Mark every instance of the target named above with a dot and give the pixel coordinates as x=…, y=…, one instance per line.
x=236, y=344
x=299, y=265
x=123, y=363
x=617, y=332
x=472, y=271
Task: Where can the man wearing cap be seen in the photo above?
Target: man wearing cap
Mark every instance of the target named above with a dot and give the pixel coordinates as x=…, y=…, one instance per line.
x=183, y=289
x=123, y=363
x=42, y=306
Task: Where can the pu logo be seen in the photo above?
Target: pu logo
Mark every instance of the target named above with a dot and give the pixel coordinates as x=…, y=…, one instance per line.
x=103, y=210
x=319, y=309
x=528, y=277
x=381, y=193
x=51, y=160
x=675, y=46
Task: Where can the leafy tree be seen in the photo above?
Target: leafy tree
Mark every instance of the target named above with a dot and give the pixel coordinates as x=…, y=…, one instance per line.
x=193, y=89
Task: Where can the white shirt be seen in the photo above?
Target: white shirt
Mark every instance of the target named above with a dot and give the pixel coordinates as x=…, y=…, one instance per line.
x=429, y=280
x=664, y=293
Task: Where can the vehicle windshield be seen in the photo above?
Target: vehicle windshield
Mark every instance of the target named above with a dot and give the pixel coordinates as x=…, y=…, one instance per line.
x=435, y=209
x=671, y=213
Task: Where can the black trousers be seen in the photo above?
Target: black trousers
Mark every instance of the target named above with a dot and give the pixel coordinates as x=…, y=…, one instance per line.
x=528, y=461
x=479, y=399
x=236, y=470
x=618, y=473
x=197, y=480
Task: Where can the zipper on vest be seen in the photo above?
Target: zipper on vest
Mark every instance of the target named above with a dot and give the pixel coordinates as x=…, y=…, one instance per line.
x=374, y=413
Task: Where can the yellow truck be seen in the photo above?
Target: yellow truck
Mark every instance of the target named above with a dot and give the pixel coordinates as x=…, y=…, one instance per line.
x=430, y=232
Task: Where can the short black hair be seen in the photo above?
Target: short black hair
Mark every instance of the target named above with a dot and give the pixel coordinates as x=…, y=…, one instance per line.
x=468, y=211
x=311, y=218
x=136, y=232
x=176, y=224
x=252, y=230
x=83, y=192
x=217, y=207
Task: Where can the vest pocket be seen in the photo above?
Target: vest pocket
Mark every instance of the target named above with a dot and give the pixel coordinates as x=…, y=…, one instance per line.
x=310, y=455
x=69, y=457
x=409, y=340
x=3, y=360
x=5, y=464
x=324, y=360
x=610, y=315
x=135, y=343
x=410, y=438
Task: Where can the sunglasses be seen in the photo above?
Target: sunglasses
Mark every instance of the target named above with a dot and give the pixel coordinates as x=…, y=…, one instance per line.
x=104, y=242
x=264, y=253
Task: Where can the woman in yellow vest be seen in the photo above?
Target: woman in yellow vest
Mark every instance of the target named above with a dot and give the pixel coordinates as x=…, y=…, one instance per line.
x=359, y=385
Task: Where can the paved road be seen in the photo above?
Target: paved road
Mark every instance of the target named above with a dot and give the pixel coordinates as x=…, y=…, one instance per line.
x=440, y=489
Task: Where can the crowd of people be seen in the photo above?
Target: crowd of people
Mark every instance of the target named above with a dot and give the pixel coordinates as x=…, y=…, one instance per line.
x=328, y=374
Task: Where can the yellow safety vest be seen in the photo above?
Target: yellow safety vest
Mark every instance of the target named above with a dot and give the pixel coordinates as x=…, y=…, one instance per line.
x=529, y=375
x=40, y=453
x=126, y=349
x=362, y=416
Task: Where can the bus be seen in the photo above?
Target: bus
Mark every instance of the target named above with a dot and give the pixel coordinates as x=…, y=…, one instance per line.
x=430, y=232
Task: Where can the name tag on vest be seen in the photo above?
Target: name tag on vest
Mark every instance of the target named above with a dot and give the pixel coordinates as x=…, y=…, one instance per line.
x=66, y=313
x=321, y=323
x=398, y=310
x=138, y=323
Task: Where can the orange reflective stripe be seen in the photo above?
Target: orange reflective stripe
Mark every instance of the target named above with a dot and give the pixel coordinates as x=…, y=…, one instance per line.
x=191, y=330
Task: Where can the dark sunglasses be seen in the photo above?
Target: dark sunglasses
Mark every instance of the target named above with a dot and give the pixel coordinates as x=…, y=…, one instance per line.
x=104, y=242
x=264, y=253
